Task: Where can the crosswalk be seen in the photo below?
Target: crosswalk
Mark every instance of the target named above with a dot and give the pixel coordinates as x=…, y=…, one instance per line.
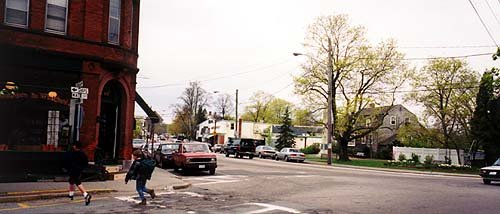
x=218, y=179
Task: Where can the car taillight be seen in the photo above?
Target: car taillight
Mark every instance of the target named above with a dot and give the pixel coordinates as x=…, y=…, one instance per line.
x=302, y=155
x=293, y=155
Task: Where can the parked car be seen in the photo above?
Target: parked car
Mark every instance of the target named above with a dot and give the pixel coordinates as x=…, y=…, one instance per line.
x=241, y=147
x=138, y=143
x=194, y=156
x=265, y=151
x=289, y=154
x=164, y=155
x=217, y=148
x=491, y=173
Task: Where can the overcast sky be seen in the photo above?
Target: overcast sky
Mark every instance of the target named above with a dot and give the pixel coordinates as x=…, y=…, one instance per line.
x=248, y=45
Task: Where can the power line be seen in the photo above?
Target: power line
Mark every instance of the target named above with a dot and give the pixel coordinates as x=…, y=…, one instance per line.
x=491, y=10
x=482, y=22
x=448, y=47
x=438, y=57
x=221, y=77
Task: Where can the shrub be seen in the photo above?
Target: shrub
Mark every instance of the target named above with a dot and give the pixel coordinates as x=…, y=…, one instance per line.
x=415, y=158
x=428, y=159
x=312, y=149
x=402, y=157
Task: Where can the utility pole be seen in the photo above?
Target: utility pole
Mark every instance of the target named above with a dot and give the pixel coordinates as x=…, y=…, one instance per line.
x=236, y=119
x=330, y=102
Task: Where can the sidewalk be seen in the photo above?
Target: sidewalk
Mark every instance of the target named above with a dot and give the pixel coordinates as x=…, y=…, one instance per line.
x=396, y=170
x=14, y=192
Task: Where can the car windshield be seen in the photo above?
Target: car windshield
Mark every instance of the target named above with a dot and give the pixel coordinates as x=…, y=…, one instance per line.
x=138, y=141
x=268, y=148
x=191, y=148
x=294, y=150
x=497, y=163
x=168, y=148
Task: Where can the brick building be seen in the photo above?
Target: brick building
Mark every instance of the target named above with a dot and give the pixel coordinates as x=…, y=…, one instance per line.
x=47, y=46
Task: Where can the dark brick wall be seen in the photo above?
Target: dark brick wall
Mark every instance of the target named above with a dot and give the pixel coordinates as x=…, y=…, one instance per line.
x=86, y=39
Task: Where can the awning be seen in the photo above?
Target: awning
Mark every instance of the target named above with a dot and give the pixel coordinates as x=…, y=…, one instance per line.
x=152, y=115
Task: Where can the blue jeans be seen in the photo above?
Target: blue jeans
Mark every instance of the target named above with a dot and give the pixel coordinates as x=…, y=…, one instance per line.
x=140, y=186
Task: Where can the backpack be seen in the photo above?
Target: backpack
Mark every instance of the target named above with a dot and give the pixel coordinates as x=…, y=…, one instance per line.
x=147, y=167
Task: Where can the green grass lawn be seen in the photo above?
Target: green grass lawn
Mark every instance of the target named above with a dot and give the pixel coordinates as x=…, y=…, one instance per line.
x=377, y=163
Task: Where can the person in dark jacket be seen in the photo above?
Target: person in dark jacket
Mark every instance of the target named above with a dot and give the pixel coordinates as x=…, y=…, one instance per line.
x=77, y=161
x=137, y=173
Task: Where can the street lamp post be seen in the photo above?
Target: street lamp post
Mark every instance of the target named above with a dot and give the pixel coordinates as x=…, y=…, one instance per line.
x=329, y=123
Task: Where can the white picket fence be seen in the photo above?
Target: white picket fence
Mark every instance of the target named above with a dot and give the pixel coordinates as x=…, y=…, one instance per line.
x=439, y=154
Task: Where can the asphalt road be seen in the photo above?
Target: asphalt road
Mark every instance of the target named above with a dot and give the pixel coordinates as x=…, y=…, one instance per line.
x=268, y=186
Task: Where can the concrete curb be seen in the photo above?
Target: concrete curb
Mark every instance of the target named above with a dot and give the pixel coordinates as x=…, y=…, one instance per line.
x=398, y=170
x=43, y=194
x=181, y=186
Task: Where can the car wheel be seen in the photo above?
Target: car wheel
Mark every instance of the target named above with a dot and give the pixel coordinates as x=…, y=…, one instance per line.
x=486, y=181
x=212, y=171
x=276, y=158
x=176, y=168
x=301, y=161
x=227, y=154
x=286, y=159
x=250, y=157
x=260, y=155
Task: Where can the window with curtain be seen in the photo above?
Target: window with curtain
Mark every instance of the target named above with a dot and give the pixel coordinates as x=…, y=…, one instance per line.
x=114, y=21
x=56, y=16
x=16, y=12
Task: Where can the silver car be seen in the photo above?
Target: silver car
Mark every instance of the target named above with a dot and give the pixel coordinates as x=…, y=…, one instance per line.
x=289, y=154
x=265, y=151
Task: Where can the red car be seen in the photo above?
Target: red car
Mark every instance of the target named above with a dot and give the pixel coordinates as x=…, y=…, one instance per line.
x=195, y=156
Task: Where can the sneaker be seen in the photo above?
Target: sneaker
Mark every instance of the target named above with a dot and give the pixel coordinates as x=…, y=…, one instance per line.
x=71, y=197
x=152, y=193
x=143, y=202
x=87, y=199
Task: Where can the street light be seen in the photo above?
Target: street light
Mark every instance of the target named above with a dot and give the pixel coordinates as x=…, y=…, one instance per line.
x=330, y=123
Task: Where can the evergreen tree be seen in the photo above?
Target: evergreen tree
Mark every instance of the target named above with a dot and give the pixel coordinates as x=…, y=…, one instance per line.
x=286, y=138
x=484, y=124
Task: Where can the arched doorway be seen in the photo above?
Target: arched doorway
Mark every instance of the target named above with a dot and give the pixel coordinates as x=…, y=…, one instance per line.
x=110, y=119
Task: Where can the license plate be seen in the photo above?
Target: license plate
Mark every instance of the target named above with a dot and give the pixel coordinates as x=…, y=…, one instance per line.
x=493, y=173
x=201, y=166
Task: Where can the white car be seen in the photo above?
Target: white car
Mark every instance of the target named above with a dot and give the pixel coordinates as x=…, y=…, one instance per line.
x=289, y=154
x=491, y=173
x=138, y=143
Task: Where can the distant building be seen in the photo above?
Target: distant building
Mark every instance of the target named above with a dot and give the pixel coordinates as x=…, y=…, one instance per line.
x=386, y=134
x=221, y=131
x=304, y=135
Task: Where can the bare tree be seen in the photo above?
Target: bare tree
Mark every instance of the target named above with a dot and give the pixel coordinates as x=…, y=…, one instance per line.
x=191, y=111
x=224, y=105
x=361, y=75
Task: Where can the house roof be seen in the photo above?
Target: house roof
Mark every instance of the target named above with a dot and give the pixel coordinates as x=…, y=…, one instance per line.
x=300, y=130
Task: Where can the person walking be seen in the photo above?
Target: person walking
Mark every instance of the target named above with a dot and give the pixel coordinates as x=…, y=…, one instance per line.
x=77, y=161
x=140, y=171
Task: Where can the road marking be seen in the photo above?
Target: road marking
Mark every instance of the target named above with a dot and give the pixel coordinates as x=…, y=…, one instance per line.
x=23, y=205
x=270, y=207
x=49, y=205
x=217, y=179
x=134, y=200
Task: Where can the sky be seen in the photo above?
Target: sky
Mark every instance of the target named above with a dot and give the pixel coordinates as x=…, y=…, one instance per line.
x=248, y=45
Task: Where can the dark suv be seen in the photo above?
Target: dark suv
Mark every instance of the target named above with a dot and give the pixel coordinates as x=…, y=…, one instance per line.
x=241, y=147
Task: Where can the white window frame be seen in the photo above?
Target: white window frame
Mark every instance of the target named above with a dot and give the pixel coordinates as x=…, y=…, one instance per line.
x=368, y=122
x=119, y=22
x=14, y=24
x=393, y=119
x=65, y=20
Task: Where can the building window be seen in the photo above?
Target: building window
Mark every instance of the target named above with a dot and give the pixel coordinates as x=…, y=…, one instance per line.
x=57, y=11
x=16, y=13
x=114, y=21
x=232, y=126
x=393, y=120
x=368, y=122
